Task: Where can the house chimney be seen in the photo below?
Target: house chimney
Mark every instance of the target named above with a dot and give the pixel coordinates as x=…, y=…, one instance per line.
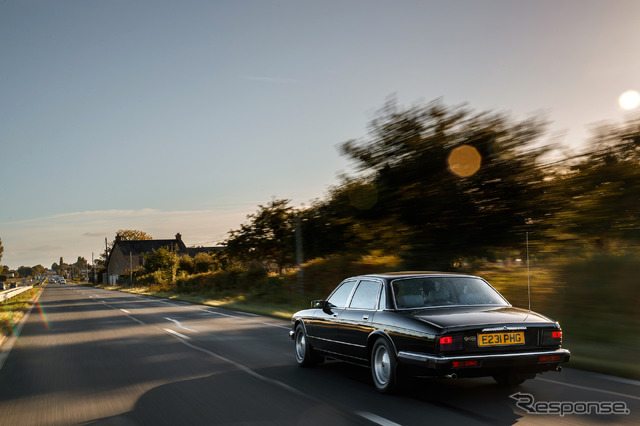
x=179, y=237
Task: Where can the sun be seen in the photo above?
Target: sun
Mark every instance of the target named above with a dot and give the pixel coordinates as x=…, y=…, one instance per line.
x=629, y=100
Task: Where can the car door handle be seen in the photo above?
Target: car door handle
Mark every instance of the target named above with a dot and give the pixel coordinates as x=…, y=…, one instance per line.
x=365, y=317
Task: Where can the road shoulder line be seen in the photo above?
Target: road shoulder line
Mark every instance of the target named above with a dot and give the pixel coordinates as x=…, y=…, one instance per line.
x=8, y=346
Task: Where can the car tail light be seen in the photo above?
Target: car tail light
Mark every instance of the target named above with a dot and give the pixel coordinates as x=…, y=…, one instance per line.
x=450, y=343
x=550, y=358
x=551, y=337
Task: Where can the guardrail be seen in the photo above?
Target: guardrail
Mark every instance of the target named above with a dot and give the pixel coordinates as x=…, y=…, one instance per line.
x=8, y=294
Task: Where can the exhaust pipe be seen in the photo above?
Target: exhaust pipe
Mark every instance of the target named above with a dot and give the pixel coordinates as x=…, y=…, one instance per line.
x=451, y=376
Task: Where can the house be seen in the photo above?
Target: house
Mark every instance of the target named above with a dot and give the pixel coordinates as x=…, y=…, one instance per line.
x=129, y=254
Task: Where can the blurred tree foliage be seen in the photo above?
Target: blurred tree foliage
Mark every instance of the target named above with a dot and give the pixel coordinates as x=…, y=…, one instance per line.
x=268, y=238
x=595, y=197
x=434, y=214
x=436, y=184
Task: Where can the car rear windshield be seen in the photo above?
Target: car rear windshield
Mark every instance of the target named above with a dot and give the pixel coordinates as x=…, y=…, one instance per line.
x=424, y=292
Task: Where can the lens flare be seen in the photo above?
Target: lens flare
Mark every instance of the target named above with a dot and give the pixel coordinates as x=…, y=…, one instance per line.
x=43, y=315
x=464, y=161
x=629, y=100
x=11, y=324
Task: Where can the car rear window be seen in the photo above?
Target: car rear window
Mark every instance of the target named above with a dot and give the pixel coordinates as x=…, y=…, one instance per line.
x=423, y=292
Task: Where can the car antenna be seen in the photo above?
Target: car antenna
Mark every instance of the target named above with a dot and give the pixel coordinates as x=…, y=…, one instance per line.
x=528, y=274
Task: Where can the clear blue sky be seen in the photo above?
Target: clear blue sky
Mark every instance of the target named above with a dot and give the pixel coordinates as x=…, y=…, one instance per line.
x=184, y=116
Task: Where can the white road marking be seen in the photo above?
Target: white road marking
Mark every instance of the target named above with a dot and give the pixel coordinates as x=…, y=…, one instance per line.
x=244, y=318
x=617, y=379
x=11, y=340
x=242, y=367
x=125, y=311
x=376, y=419
x=179, y=324
x=591, y=389
x=175, y=333
x=126, y=314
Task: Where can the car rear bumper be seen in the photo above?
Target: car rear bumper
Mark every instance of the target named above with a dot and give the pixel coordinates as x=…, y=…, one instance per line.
x=536, y=361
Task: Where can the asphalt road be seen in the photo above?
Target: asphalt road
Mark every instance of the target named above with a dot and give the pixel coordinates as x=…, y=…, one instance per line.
x=97, y=357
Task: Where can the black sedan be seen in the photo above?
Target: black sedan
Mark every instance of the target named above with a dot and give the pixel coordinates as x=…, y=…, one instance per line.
x=427, y=324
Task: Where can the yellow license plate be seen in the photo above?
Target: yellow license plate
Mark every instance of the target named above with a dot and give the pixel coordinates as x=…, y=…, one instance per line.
x=494, y=339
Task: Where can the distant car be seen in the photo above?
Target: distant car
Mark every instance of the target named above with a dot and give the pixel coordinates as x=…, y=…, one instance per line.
x=427, y=324
x=62, y=281
x=3, y=286
x=12, y=285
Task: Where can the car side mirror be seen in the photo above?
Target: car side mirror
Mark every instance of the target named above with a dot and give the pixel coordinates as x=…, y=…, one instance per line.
x=319, y=304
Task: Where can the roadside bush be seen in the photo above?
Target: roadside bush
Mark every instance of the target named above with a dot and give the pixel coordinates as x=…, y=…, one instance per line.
x=186, y=264
x=602, y=294
x=202, y=262
x=161, y=259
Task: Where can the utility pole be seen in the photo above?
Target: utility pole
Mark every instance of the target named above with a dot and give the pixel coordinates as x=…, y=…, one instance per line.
x=106, y=263
x=299, y=258
x=130, y=269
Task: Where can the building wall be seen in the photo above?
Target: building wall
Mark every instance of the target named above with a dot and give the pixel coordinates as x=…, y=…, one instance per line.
x=119, y=262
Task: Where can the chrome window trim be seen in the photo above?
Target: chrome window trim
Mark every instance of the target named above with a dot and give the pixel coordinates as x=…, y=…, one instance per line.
x=337, y=341
x=395, y=304
x=348, y=301
x=504, y=328
x=353, y=292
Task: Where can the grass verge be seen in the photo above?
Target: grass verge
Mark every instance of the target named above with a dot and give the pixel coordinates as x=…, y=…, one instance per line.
x=13, y=310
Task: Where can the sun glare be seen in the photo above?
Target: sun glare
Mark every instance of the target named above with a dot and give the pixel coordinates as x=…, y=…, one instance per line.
x=629, y=100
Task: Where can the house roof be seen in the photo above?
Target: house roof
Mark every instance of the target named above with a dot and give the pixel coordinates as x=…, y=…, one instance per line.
x=139, y=247
x=136, y=247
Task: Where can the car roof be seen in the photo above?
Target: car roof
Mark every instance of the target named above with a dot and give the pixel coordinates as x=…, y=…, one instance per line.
x=410, y=274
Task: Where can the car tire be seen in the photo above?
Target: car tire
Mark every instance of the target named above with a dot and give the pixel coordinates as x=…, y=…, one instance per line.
x=383, y=366
x=305, y=356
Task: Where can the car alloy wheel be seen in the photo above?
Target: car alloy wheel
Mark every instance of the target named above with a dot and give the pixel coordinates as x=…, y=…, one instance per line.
x=301, y=345
x=383, y=366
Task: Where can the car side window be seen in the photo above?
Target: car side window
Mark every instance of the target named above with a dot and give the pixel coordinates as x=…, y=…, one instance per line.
x=366, y=295
x=340, y=296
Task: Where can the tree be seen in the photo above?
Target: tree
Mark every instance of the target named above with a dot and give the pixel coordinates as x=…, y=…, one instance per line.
x=38, y=270
x=133, y=234
x=25, y=271
x=268, y=238
x=595, y=194
x=444, y=208
x=1, y=249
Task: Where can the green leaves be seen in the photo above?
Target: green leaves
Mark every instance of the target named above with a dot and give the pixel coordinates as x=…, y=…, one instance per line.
x=268, y=238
